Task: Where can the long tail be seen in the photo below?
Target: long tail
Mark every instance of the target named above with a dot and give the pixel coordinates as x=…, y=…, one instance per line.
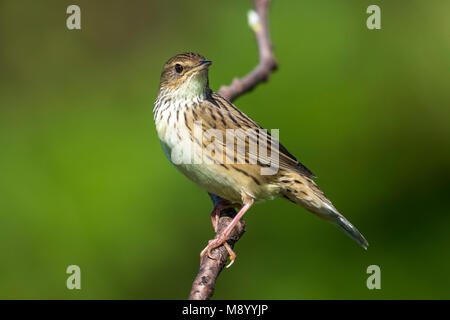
x=304, y=192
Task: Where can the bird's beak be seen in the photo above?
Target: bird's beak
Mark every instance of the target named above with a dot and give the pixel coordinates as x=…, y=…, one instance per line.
x=204, y=65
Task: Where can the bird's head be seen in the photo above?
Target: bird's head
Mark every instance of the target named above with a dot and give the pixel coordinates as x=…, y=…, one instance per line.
x=186, y=75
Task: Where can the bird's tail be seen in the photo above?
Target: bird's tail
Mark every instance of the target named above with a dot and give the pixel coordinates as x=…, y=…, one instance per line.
x=304, y=192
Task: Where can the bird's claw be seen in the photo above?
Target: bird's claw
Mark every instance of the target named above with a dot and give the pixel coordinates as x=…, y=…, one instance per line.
x=231, y=253
x=215, y=243
x=208, y=249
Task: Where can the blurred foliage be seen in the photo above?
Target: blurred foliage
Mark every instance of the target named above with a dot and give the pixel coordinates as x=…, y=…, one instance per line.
x=84, y=180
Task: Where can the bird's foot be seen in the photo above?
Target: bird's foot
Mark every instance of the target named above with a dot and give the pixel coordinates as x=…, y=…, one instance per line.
x=215, y=243
x=221, y=239
x=215, y=214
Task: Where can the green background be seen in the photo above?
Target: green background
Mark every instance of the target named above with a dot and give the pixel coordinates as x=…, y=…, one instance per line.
x=83, y=179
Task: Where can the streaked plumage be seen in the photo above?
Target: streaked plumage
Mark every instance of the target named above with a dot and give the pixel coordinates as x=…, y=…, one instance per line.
x=185, y=99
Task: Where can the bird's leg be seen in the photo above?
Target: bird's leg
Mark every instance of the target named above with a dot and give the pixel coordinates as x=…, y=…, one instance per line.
x=221, y=205
x=223, y=236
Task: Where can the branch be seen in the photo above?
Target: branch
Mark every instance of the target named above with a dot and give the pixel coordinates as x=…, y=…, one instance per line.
x=204, y=283
x=267, y=63
x=203, y=286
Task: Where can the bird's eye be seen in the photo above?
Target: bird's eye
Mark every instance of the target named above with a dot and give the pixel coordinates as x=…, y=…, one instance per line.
x=178, y=68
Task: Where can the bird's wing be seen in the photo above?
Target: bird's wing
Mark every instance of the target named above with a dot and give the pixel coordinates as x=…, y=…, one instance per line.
x=218, y=113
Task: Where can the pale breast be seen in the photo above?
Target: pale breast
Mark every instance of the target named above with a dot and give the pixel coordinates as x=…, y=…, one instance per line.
x=175, y=125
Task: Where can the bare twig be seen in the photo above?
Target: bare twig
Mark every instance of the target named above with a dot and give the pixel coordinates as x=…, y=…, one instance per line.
x=204, y=283
x=203, y=286
x=267, y=63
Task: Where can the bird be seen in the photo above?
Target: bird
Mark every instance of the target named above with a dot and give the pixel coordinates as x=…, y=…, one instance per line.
x=226, y=153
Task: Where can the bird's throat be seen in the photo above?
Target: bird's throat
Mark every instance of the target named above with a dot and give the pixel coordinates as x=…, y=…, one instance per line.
x=194, y=88
x=190, y=92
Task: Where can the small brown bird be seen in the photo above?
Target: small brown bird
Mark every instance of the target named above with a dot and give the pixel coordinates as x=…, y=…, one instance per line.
x=228, y=154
